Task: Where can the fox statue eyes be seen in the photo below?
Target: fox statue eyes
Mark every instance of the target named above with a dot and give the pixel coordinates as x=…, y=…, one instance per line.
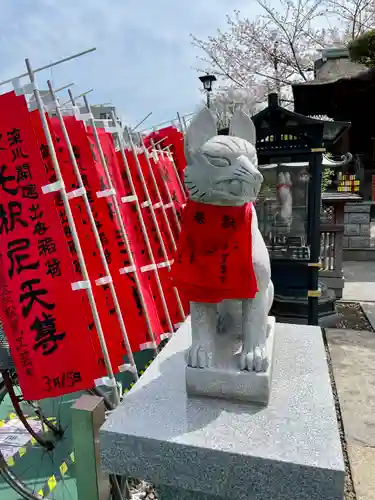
x=218, y=161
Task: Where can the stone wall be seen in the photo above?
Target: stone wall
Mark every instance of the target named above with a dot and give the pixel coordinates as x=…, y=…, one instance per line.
x=357, y=225
x=357, y=230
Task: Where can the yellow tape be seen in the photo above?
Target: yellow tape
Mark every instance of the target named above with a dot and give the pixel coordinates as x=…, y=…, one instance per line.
x=54, y=480
x=314, y=293
x=52, y=483
x=318, y=150
x=23, y=450
x=63, y=468
x=315, y=264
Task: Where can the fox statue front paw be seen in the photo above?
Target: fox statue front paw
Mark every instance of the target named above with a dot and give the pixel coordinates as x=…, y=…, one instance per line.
x=254, y=359
x=199, y=356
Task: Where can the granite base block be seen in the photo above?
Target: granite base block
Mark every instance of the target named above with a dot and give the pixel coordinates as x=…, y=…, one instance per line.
x=225, y=379
x=210, y=449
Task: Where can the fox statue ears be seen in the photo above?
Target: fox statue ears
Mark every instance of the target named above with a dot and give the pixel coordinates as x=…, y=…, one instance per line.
x=242, y=126
x=203, y=127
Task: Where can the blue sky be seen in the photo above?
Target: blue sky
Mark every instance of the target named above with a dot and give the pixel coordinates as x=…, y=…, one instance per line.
x=144, y=60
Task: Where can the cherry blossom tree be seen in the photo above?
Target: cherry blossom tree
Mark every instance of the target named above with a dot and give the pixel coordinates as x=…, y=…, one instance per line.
x=253, y=57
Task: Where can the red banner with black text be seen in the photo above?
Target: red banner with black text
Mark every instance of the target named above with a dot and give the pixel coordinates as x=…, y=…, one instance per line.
x=134, y=314
x=52, y=350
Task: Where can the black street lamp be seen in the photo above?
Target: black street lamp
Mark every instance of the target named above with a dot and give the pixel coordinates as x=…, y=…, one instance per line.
x=207, y=81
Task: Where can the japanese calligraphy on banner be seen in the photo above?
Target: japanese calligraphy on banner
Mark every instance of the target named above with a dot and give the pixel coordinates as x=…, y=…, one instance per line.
x=85, y=308
x=138, y=239
x=52, y=350
x=168, y=184
x=129, y=296
x=160, y=259
x=170, y=136
x=138, y=249
x=93, y=183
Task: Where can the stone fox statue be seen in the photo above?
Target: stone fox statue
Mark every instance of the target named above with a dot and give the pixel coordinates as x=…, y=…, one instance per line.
x=222, y=261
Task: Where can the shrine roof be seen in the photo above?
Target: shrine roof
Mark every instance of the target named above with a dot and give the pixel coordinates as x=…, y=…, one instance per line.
x=319, y=97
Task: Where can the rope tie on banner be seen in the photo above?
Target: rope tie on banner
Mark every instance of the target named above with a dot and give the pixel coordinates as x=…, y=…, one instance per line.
x=128, y=269
x=81, y=285
x=128, y=199
x=53, y=187
x=106, y=193
x=77, y=193
x=105, y=280
x=108, y=382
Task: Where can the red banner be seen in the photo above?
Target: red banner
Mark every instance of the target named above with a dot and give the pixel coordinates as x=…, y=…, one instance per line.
x=170, y=136
x=134, y=314
x=143, y=257
x=64, y=163
x=52, y=350
x=169, y=293
x=169, y=188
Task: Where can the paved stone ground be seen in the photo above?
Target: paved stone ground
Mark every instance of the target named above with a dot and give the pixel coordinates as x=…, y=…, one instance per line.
x=353, y=361
x=359, y=281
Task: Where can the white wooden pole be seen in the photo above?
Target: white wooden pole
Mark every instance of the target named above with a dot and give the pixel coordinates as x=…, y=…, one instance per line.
x=60, y=61
x=180, y=122
x=73, y=229
x=142, y=121
x=170, y=156
x=64, y=87
x=108, y=281
x=155, y=221
x=157, y=191
x=143, y=225
x=73, y=99
x=155, y=127
x=170, y=199
x=120, y=220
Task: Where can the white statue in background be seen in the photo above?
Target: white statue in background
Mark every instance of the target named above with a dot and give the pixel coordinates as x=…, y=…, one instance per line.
x=285, y=197
x=223, y=181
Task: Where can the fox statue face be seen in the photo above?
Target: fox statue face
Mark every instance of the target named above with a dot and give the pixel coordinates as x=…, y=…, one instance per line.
x=222, y=170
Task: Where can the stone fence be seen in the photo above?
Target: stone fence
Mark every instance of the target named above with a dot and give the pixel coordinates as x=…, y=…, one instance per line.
x=356, y=241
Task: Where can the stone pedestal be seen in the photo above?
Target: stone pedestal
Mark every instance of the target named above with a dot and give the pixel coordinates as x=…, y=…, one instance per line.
x=226, y=380
x=212, y=449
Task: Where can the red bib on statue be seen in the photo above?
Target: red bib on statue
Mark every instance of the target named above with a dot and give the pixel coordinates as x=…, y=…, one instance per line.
x=214, y=256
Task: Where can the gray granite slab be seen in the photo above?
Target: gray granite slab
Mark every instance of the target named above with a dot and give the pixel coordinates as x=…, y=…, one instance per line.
x=225, y=379
x=287, y=450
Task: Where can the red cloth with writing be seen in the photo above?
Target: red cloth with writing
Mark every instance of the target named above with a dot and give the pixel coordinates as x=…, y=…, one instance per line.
x=48, y=336
x=153, y=237
x=214, y=256
x=170, y=136
x=134, y=314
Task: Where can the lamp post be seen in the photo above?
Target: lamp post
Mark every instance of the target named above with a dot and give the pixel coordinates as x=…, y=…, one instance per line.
x=207, y=81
